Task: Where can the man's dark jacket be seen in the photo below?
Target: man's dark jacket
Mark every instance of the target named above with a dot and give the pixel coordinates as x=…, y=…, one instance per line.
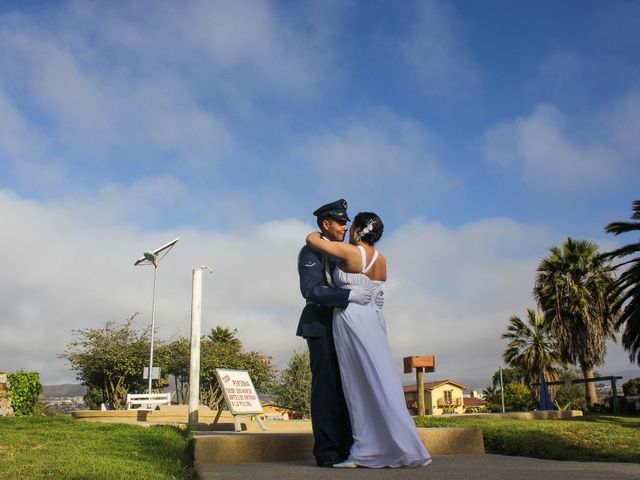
x=314, y=268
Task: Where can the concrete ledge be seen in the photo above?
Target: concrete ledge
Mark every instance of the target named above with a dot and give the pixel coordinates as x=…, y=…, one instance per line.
x=177, y=415
x=165, y=414
x=245, y=447
x=543, y=415
x=251, y=447
x=451, y=440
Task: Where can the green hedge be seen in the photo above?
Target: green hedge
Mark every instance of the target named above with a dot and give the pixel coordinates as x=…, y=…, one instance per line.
x=24, y=390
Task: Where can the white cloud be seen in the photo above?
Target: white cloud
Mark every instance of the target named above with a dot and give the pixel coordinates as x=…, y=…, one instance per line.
x=450, y=291
x=621, y=121
x=23, y=146
x=547, y=157
x=381, y=152
x=61, y=273
x=435, y=51
x=155, y=86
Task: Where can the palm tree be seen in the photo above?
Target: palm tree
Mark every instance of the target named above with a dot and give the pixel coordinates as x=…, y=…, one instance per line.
x=226, y=336
x=628, y=285
x=531, y=347
x=574, y=290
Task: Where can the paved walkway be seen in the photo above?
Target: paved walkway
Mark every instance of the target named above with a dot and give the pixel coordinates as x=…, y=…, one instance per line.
x=446, y=467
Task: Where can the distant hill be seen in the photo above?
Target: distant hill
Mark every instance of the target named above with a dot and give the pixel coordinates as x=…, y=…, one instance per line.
x=66, y=390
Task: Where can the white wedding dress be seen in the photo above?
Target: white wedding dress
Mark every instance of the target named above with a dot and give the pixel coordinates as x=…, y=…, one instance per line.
x=384, y=433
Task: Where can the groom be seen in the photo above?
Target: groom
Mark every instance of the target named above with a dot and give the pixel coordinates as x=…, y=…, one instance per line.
x=329, y=414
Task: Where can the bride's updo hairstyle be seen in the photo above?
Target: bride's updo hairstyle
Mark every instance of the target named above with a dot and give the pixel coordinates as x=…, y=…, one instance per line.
x=369, y=227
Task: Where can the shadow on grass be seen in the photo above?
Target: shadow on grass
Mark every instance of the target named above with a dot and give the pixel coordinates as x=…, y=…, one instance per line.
x=625, y=421
x=550, y=446
x=592, y=439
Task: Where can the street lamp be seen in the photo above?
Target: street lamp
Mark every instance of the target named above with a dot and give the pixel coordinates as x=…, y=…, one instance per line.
x=153, y=258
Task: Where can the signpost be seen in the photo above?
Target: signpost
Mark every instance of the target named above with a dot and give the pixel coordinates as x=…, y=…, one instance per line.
x=425, y=363
x=240, y=395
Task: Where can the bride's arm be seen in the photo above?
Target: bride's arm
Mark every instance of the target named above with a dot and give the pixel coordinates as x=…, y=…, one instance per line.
x=343, y=251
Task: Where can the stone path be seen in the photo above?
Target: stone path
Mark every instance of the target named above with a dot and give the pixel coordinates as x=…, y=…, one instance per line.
x=446, y=467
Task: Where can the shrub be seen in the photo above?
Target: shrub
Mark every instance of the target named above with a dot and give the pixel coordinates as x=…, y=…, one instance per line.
x=517, y=396
x=571, y=396
x=632, y=387
x=294, y=389
x=24, y=390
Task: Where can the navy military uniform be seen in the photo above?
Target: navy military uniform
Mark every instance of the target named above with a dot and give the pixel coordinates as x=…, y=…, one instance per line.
x=329, y=414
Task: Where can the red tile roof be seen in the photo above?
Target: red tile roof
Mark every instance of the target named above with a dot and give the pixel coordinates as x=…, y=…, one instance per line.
x=473, y=402
x=431, y=385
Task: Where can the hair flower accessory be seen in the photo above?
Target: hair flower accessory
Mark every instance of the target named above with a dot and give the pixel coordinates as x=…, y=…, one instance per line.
x=368, y=228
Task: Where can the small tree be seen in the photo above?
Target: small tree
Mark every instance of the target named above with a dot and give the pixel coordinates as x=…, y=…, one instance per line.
x=215, y=354
x=24, y=390
x=632, y=387
x=110, y=360
x=225, y=335
x=517, y=396
x=509, y=375
x=293, y=391
x=492, y=394
x=173, y=358
x=531, y=348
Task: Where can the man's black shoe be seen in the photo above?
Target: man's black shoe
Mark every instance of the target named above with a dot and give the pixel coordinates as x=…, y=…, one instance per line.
x=328, y=463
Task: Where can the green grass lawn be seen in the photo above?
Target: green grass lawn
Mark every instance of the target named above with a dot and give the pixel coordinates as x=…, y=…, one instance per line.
x=62, y=448
x=595, y=438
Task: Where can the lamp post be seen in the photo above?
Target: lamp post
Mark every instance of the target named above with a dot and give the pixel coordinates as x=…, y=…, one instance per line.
x=153, y=258
x=501, y=388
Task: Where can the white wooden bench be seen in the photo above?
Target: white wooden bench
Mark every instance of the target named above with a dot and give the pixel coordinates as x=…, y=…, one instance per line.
x=147, y=401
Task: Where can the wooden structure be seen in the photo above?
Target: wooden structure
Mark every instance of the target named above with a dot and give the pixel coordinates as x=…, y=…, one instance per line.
x=612, y=379
x=425, y=363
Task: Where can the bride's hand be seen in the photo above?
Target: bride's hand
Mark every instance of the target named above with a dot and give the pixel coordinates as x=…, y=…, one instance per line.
x=313, y=236
x=379, y=299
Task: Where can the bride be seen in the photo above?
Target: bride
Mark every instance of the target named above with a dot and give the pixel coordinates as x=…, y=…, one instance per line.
x=383, y=431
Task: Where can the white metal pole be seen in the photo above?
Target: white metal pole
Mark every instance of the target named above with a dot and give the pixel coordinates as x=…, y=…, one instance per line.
x=194, y=364
x=153, y=325
x=501, y=389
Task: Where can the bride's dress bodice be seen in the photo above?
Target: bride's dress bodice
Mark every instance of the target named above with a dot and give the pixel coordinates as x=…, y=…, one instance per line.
x=350, y=280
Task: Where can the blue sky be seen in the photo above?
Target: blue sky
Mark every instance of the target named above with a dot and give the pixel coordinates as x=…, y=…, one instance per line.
x=482, y=133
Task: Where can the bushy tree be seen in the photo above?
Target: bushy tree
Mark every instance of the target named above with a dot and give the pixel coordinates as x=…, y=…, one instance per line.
x=215, y=354
x=173, y=358
x=569, y=396
x=509, y=375
x=110, y=360
x=518, y=396
x=24, y=390
x=293, y=391
x=632, y=387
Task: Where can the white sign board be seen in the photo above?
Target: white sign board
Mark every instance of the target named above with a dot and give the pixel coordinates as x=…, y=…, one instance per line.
x=155, y=372
x=239, y=392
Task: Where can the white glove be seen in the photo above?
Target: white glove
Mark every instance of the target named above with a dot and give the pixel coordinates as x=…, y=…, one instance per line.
x=379, y=299
x=360, y=296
